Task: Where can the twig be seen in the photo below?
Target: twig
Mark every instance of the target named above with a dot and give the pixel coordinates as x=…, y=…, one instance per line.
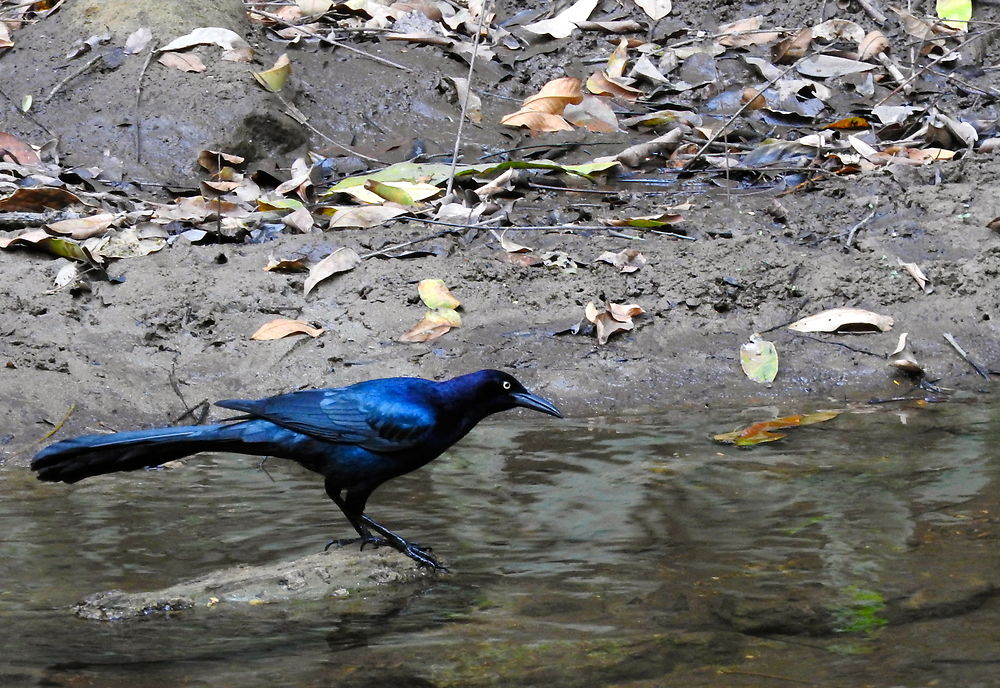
x=396, y=247
x=854, y=230
x=300, y=117
x=90, y=63
x=23, y=113
x=961, y=352
x=18, y=220
x=846, y=346
x=203, y=405
x=329, y=41
x=917, y=72
x=50, y=433
x=571, y=144
x=138, y=104
x=874, y=12
x=465, y=100
x=570, y=189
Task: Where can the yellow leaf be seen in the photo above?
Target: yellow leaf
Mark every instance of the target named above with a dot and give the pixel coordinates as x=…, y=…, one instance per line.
x=283, y=327
x=955, y=13
x=274, y=79
x=435, y=294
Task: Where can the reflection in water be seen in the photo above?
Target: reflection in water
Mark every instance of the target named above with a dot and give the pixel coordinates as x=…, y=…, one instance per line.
x=623, y=549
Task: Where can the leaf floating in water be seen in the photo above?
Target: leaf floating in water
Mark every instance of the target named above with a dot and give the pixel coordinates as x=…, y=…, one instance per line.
x=765, y=430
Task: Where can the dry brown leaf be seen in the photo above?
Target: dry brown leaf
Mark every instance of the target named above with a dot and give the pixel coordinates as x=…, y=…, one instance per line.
x=792, y=48
x=83, y=227
x=593, y=114
x=744, y=33
x=16, y=150
x=186, y=62
x=655, y=9
x=536, y=121
x=564, y=23
x=627, y=260
x=542, y=112
x=286, y=265
x=601, y=84
x=37, y=199
x=363, y=216
x=434, y=324
x=224, y=38
x=508, y=245
x=341, y=260
x=918, y=275
x=300, y=220
x=872, y=45
x=855, y=320
x=283, y=327
x=611, y=318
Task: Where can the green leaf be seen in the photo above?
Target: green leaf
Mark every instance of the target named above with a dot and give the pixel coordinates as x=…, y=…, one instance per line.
x=759, y=360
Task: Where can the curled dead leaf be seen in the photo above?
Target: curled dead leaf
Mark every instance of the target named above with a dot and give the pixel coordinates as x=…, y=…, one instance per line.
x=341, y=260
x=434, y=324
x=283, y=327
x=627, y=260
x=611, y=318
x=853, y=320
x=435, y=295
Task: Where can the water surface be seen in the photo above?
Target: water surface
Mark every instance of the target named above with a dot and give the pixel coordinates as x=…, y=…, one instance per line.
x=625, y=551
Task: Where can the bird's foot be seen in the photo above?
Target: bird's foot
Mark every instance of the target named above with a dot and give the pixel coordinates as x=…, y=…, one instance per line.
x=421, y=555
x=364, y=541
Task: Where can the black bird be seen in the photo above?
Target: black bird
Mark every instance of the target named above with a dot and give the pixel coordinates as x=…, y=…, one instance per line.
x=357, y=437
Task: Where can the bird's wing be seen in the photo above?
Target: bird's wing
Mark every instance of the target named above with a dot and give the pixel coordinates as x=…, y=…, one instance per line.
x=374, y=418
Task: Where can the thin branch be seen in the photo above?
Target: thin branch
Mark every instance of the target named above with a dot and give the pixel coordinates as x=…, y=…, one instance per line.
x=961, y=352
x=465, y=100
x=329, y=41
x=138, y=104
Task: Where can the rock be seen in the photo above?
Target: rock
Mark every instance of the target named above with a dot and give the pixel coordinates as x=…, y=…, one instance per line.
x=336, y=573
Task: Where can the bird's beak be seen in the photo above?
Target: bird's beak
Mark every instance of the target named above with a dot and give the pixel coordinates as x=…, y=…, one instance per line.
x=536, y=403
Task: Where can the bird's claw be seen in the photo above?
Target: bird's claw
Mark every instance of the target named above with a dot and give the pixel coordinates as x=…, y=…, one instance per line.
x=422, y=555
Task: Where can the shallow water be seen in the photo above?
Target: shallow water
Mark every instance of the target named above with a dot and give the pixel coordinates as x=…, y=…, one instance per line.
x=625, y=551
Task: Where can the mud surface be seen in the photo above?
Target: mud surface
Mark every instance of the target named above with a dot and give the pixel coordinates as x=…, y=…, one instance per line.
x=175, y=330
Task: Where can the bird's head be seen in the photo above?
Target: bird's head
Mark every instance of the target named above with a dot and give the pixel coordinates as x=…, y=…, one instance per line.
x=493, y=391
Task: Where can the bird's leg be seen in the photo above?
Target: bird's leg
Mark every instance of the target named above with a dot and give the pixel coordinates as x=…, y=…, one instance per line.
x=421, y=555
x=366, y=538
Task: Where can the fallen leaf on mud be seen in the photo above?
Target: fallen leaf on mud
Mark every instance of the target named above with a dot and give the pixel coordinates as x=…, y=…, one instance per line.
x=67, y=274
x=542, y=112
x=442, y=316
x=128, y=244
x=955, y=13
x=183, y=62
x=5, y=41
x=759, y=359
x=564, y=23
x=508, y=245
x=599, y=83
x=792, y=48
x=918, y=275
x=274, y=79
x=744, y=33
x=341, y=260
x=872, y=45
x=83, y=227
x=224, y=38
x=435, y=294
x=764, y=431
x=212, y=161
x=660, y=220
x=433, y=325
x=593, y=114
x=474, y=109
x=37, y=200
x=362, y=216
x=285, y=265
x=561, y=260
x=300, y=220
x=635, y=156
x=283, y=327
x=831, y=65
x=627, y=260
x=15, y=150
x=655, y=9
x=39, y=238
x=313, y=7
x=198, y=209
x=853, y=320
x=611, y=318
x=138, y=40
x=994, y=224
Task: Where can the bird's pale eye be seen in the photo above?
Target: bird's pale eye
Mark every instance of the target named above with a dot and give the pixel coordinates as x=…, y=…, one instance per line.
x=506, y=385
